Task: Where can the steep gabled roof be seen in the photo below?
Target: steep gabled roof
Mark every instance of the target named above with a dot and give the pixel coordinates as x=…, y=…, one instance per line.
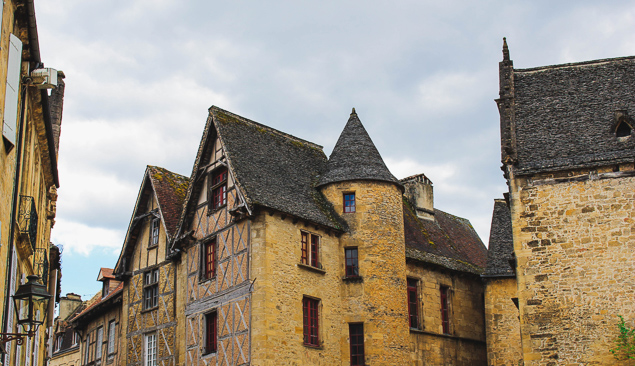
x=501, y=244
x=448, y=241
x=169, y=189
x=98, y=305
x=271, y=169
x=355, y=157
x=564, y=115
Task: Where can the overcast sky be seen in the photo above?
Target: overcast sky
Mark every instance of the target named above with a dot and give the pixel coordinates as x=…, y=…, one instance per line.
x=422, y=75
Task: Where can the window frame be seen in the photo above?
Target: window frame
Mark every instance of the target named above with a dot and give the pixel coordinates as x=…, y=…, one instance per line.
x=444, y=295
x=151, y=289
x=155, y=229
x=412, y=286
x=99, y=342
x=217, y=188
x=349, y=202
x=311, y=321
x=59, y=339
x=310, y=249
x=112, y=331
x=211, y=332
x=356, y=331
x=147, y=360
x=349, y=270
x=87, y=349
x=208, y=260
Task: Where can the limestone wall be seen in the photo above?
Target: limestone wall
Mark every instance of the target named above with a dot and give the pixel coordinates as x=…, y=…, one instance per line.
x=465, y=345
x=574, y=241
x=502, y=322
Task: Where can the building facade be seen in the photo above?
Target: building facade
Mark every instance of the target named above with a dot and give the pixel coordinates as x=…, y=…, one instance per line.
x=28, y=176
x=568, y=153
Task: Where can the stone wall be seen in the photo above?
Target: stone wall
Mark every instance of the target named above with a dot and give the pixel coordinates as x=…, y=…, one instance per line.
x=465, y=345
x=574, y=237
x=502, y=322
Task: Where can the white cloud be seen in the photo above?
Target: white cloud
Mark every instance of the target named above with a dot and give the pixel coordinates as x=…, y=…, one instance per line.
x=79, y=238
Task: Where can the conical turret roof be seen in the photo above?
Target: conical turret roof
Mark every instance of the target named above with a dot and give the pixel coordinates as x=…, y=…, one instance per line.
x=355, y=157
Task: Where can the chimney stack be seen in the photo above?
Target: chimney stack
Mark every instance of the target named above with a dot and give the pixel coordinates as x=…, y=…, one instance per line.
x=68, y=304
x=418, y=190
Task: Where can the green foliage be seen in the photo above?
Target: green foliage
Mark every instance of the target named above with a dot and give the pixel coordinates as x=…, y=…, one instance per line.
x=625, y=342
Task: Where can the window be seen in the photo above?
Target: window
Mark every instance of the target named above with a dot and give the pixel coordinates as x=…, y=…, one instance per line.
x=218, y=188
x=87, y=349
x=98, y=345
x=352, y=266
x=105, y=289
x=75, y=339
x=150, y=348
x=111, y=337
x=154, y=232
x=209, y=259
x=413, y=303
x=150, y=289
x=310, y=249
x=310, y=316
x=445, y=311
x=349, y=202
x=356, y=335
x=58, y=342
x=211, y=329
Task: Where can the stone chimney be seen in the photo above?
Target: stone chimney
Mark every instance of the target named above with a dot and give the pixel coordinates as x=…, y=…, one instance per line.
x=418, y=190
x=56, y=101
x=68, y=304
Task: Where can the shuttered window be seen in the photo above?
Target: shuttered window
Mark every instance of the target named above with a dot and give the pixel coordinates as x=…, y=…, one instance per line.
x=9, y=128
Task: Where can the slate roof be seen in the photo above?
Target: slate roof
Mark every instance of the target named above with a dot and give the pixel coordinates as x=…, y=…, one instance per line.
x=565, y=115
x=170, y=189
x=355, y=157
x=448, y=241
x=274, y=169
x=501, y=246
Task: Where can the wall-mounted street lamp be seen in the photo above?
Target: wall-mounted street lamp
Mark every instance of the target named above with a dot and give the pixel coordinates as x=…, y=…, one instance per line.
x=30, y=297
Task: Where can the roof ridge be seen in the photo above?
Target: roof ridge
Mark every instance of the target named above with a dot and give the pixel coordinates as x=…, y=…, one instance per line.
x=270, y=129
x=574, y=64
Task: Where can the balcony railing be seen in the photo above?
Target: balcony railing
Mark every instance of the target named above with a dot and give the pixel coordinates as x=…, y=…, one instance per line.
x=41, y=265
x=27, y=219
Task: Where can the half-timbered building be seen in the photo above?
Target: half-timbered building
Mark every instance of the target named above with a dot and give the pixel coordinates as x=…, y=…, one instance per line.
x=149, y=272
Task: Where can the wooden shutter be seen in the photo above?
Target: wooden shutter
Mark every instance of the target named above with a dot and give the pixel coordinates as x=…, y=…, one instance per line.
x=9, y=128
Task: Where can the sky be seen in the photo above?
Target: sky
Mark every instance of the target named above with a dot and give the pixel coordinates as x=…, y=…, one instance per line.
x=422, y=76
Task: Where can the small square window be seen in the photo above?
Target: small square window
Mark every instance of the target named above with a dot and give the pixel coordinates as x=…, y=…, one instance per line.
x=310, y=249
x=349, y=202
x=211, y=332
x=311, y=321
x=209, y=260
x=352, y=265
x=151, y=289
x=218, y=188
x=154, y=232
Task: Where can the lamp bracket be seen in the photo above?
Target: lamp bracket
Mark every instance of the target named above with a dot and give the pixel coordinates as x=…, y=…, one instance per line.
x=18, y=337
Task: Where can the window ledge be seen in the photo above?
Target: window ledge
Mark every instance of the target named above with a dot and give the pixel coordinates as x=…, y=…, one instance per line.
x=205, y=279
x=153, y=246
x=211, y=211
x=311, y=346
x=149, y=309
x=353, y=279
x=209, y=354
x=421, y=331
x=311, y=268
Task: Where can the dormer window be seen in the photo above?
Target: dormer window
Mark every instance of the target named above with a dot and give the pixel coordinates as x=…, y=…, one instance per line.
x=105, y=289
x=624, y=129
x=218, y=188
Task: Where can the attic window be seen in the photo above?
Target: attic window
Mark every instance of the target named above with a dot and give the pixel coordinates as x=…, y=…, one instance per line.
x=218, y=188
x=623, y=129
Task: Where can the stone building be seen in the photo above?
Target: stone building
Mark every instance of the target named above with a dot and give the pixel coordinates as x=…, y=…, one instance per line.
x=28, y=176
x=289, y=258
x=568, y=153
